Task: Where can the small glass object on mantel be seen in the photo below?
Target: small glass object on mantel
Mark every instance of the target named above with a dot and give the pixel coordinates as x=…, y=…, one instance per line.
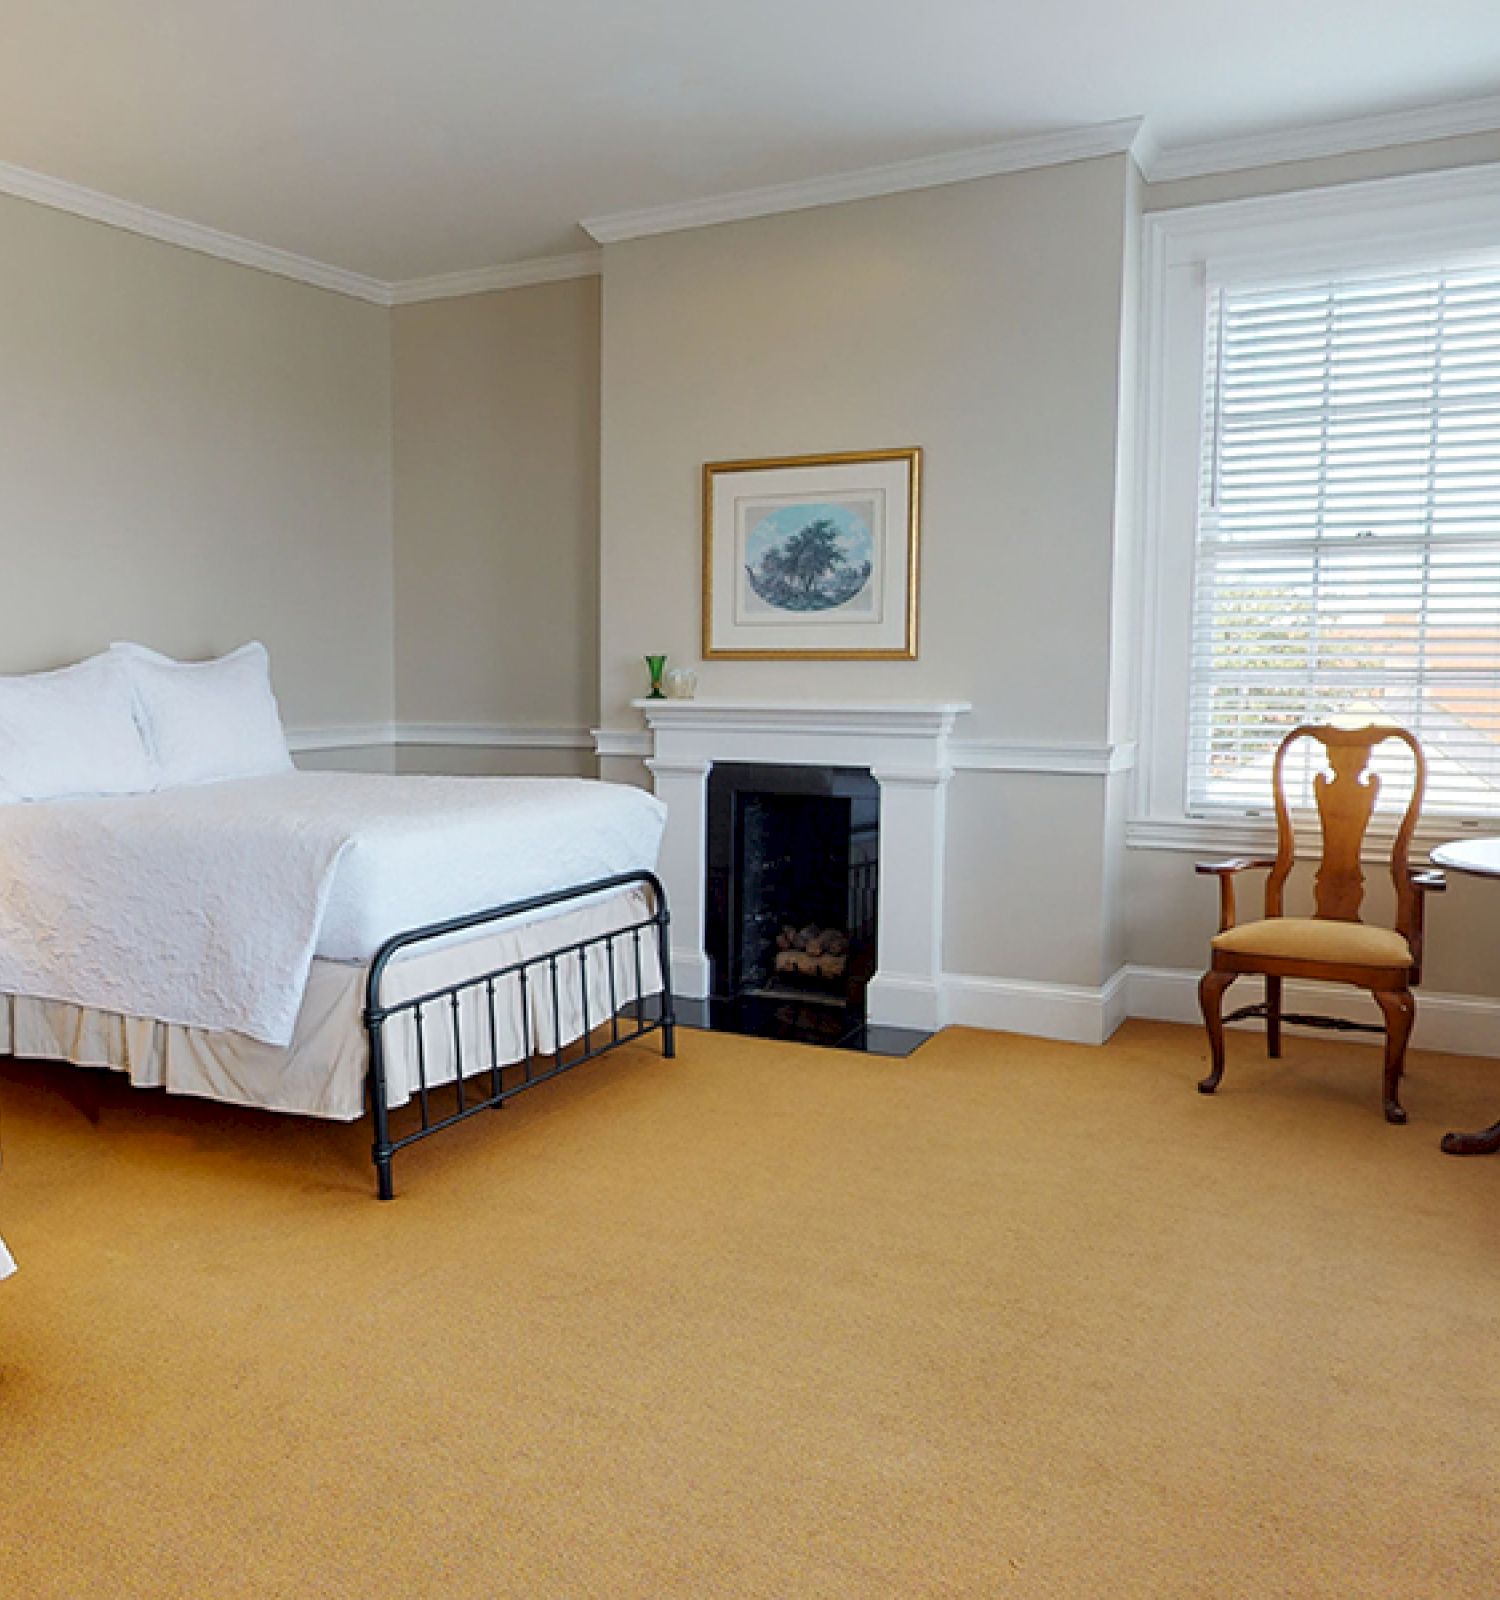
x=656, y=665
x=682, y=683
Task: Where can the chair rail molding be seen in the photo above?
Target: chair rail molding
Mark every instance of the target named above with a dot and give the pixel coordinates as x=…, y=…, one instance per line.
x=1056, y=758
x=626, y=743
x=493, y=735
x=1059, y=758
x=480, y=735
x=341, y=736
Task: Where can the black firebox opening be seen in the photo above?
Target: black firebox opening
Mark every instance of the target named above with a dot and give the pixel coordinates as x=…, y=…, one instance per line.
x=793, y=892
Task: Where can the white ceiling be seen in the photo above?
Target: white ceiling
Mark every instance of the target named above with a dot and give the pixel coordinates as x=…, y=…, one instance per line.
x=403, y=138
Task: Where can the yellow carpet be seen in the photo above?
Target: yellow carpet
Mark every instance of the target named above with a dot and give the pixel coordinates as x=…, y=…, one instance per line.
x=1006, y=1319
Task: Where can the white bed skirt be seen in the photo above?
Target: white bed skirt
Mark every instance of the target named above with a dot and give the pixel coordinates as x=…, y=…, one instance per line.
x=7, y=1261
x=321, y=1073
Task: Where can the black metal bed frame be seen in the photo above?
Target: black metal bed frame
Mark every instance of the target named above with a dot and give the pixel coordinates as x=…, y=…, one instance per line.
x=471, y=1099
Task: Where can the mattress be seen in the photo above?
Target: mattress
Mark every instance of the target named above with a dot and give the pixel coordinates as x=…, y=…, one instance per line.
x=205, y=906
x=426, y=849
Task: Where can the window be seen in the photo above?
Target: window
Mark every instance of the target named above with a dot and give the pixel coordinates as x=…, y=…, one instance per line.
x=1348, y=561
x=1319, y=497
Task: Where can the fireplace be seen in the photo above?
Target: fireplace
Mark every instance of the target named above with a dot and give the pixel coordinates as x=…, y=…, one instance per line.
x=902, y=745
x=792, y=898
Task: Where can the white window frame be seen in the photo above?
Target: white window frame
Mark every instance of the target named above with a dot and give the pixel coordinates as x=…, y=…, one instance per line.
x=1387, y=221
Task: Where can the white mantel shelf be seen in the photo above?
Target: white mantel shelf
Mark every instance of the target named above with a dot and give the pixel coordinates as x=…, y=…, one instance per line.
x=895, y=735
x=922, y=718
x=903, y=744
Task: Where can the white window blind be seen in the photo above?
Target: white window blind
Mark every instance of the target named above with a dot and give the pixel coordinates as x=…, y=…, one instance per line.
x=1348, y=561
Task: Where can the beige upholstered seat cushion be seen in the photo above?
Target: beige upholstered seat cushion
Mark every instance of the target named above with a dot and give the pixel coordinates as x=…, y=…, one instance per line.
x=1314, y=939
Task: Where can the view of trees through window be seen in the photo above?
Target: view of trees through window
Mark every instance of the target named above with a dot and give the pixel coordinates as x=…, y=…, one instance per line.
x=1349, y=533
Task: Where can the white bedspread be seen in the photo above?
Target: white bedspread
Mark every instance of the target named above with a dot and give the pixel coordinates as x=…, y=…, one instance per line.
x=205, y=906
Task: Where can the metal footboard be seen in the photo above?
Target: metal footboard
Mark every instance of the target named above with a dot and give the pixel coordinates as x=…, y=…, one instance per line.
x=480, y=1078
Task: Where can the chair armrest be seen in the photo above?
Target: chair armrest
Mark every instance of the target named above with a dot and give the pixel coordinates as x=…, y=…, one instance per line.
x=1424, y=881
x=1225, y=872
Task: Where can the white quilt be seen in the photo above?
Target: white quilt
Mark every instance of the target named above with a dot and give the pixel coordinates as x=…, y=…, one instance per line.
x=205, y=906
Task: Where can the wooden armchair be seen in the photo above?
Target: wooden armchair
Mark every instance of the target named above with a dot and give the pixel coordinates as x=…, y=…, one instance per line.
x=1333, y=944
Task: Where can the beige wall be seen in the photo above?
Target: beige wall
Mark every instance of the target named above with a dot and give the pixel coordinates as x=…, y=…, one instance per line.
x=994, y=324
x=489, y=761
x=496, y=408
x=407, y=506
x=371, y=758
x=192, y=454
x=981, y=321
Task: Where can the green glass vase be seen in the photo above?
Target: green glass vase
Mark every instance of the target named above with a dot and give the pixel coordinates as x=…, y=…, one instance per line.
x=656, y=665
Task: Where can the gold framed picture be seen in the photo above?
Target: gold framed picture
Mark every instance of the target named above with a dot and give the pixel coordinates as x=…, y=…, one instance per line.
x=808, y=557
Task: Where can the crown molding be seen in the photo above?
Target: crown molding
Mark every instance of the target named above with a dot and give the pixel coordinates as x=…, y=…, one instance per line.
x=1450, y=208
x=959, y=166
x=22, y=184
x=482, y=280
x=1349, y=136
x=1130, y=134
x=90, y=204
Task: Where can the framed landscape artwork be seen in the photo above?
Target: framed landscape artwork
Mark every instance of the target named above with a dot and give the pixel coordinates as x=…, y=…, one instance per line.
x=812, y=556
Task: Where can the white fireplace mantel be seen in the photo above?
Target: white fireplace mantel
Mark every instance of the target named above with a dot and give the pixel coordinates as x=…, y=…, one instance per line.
x=903, y=744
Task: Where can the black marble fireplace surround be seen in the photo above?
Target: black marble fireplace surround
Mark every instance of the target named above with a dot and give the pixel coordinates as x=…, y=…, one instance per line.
x=792, y=904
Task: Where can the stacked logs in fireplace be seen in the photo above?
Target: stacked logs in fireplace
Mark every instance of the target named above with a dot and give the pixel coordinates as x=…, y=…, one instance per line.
x=812, y=952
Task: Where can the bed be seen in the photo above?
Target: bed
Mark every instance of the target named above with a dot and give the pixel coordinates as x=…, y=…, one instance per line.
x=326, y=944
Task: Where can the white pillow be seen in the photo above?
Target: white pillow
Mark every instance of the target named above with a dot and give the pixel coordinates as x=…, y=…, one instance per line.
x=207, y=720
x=71, y=732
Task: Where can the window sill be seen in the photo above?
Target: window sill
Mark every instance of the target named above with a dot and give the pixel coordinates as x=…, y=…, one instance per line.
x=1232, y=835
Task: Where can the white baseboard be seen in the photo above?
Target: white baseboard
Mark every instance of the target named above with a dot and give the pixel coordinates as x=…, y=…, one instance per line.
x=1462, y=1024
x=900, y=1000
x=690, y=973
x=1074, y=1012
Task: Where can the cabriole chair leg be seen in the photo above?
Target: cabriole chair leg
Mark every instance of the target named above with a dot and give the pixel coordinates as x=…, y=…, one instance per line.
x=1400, y=1010
x=1211, y=998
